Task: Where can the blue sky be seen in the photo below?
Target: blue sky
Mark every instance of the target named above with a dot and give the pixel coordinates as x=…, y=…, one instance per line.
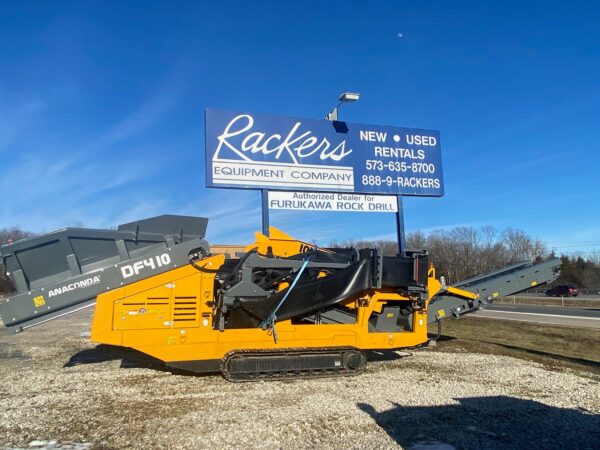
x=101, y=108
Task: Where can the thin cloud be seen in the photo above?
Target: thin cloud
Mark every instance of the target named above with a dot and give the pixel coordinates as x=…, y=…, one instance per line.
x=47, y=182
x=16, y=117
x=140, y=120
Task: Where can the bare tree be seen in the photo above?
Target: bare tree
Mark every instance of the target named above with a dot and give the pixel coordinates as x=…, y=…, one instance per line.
x=464, y=252
x=521, y=247
x=594, y=257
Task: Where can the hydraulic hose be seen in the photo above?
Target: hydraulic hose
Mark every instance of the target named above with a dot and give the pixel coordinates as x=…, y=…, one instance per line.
x=269, y=322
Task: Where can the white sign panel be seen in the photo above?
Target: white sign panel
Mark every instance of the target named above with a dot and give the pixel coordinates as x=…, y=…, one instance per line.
x=286, y=175
x=323, y=201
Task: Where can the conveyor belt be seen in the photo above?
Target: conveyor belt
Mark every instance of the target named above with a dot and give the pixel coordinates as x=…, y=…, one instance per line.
x=500, y=283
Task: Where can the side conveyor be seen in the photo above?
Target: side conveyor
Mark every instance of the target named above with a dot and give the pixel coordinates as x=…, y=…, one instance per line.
x=500, y=283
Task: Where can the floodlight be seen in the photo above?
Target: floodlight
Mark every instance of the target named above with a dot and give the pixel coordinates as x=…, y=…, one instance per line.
x=346, y=97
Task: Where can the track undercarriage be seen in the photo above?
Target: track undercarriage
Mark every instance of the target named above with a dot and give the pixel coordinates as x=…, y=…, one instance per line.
x=260, y=365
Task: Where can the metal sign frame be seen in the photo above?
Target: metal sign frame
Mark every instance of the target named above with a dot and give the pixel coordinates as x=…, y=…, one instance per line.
x=383, y=155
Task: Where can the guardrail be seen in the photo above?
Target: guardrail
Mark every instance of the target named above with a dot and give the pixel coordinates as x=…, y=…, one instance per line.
x=583, y=291
x=571, y=301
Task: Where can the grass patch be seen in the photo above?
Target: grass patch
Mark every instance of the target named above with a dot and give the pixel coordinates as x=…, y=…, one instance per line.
x=552, y=345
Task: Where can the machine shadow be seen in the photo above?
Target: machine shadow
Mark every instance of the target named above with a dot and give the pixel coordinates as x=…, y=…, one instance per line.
x=499, y=422
x=393, y=355
x=130, y=359
x=440, y=338
x=384, y=355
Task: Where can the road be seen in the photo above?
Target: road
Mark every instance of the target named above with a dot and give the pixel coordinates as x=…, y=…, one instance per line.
x=584, y=297
x=578, y=317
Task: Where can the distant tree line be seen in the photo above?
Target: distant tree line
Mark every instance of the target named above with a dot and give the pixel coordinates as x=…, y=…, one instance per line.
x=457, y=253
x=464, y=252
x=579, y=271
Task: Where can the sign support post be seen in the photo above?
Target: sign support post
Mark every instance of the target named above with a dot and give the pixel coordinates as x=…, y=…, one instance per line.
x=400, y=227
x=265, y=211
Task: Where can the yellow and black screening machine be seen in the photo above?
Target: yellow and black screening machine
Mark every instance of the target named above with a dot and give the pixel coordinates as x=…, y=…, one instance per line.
x=284, y=308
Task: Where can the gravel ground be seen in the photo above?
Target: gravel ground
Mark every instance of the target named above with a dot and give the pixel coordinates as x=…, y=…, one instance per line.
x=63, y=392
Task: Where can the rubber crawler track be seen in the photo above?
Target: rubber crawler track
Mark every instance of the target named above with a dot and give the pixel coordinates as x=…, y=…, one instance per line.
x=293, y=374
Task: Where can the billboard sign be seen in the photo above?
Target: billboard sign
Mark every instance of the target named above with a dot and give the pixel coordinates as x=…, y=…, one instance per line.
x=255, y=151
x=332, y=201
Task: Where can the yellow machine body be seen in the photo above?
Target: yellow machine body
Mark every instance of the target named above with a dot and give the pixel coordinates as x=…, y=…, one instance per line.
x=170, y=316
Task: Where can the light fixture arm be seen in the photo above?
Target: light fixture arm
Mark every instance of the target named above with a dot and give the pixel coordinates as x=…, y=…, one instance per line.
x=333, y=115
